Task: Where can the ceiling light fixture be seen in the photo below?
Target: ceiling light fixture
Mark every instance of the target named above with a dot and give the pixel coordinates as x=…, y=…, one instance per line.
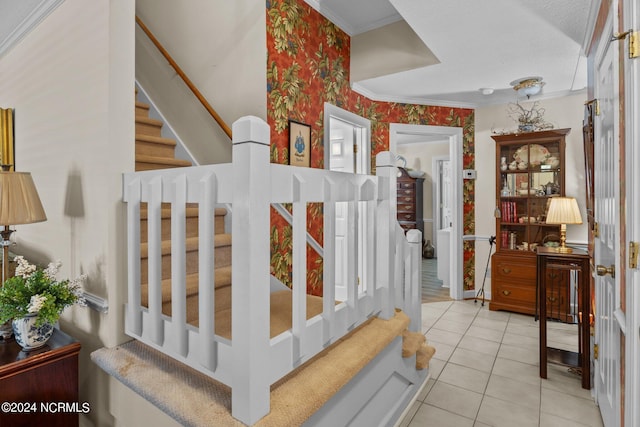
x=528, y=86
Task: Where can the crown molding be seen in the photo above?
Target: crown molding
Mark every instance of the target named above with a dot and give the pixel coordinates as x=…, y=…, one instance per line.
x=37, y=15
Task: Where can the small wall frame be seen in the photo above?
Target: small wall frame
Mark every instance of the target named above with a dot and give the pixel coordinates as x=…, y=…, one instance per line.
x=299, y=144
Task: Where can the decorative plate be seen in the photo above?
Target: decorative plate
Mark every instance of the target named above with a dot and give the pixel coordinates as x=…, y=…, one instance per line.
x=536, y=157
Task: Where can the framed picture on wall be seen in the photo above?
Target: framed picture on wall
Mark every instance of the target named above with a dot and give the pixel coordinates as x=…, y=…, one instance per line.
x=299, y=144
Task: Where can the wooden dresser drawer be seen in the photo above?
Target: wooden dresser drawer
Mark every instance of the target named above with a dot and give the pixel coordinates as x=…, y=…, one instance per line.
x=406, y=185
x=406, y=207
x=509, y=293
x=406, y=216
x=406, y=199
x=515, y=271
x=408, y=226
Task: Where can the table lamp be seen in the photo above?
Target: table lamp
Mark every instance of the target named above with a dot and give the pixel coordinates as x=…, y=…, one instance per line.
x=19, y=204
x=563, y=211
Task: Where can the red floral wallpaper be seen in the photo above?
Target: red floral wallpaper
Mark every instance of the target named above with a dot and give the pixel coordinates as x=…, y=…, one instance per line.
x=307, y=65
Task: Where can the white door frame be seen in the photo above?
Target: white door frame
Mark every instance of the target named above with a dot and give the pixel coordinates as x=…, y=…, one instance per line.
x=362, y=138
x=454, y=136
x=435, y=166
x=632, y=194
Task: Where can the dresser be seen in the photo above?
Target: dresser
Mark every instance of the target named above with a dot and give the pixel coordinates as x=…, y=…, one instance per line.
x=40, y=388
x=410, y=201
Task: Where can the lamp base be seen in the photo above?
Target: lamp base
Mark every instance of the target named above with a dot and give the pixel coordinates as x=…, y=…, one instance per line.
x=564, y=250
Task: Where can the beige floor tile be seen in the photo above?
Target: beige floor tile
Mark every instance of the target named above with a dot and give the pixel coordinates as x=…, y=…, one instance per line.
x=410, y=414
x=479, y=345
x=428, y=415
x=458, y=317
x=548, y=420
x=560, y=379
x=487, y=334
x=435, y=368
x=527, y=331
x=515, y=391
x=445, y=337
x=454, y=399
x=479, y=424
x=467, y=378
x=472, y=359
x=521, y=341
x=450, y=325
x=495, y=315
x=570, y=407
x=464, y=307
x=443, y=351
x=522, y=319
x=521, y=354
x=426, y=389
x=498, y=325
x=500, y=413
x=514, y=369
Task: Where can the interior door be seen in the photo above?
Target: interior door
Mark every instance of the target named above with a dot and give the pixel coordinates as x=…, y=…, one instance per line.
x=342, y=159
x=607, y=214
x=445, y=195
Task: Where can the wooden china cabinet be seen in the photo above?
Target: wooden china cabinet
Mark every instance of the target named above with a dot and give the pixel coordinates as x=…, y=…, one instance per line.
x=530, y=170
x=409, y=201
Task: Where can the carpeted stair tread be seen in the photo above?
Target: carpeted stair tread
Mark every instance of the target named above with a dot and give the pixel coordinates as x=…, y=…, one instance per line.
x=411, y=342
x=222, y=277
x=423, y=356
x=143, y=160
x=148, y=121
x=165, y=212
x=191, y=244
x=196, y=400
x=140, y=137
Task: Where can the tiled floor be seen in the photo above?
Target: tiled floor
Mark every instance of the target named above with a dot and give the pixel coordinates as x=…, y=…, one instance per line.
x=485, y=372
x=432, y=289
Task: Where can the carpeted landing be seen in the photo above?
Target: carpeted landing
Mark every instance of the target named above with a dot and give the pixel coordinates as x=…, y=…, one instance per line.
x=196, y=400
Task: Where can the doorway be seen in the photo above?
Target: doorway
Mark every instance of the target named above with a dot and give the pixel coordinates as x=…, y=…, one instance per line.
x=347, y=142
x=452, y=136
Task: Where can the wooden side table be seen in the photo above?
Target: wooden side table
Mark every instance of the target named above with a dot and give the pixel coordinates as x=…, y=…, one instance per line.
x=40, y=387
x=554, y=271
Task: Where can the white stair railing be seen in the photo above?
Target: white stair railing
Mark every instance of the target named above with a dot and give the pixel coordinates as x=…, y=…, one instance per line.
x=251, y=361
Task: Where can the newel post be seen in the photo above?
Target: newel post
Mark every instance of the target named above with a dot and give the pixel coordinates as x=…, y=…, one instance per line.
x=413, y=275
x=250, y=269
x=386, y=217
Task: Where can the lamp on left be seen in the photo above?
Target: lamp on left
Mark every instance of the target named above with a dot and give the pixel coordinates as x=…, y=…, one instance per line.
x=19, y=204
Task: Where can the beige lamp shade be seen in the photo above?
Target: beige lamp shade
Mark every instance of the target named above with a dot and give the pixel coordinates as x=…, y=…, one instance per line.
x=19, y=200
x=563, y=210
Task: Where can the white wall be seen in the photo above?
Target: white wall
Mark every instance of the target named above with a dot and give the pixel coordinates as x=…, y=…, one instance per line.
x=221, y=47
x=566, y=112
x=71, y=82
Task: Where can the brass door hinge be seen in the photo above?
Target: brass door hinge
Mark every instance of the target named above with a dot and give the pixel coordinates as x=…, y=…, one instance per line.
x=634, y=47
x=596, y=230
x=634, y=247
x=596, y=106
x=595, y=351
x=355, y=148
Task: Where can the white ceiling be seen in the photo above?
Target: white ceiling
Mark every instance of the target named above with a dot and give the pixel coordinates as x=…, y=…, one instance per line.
x=479, y=44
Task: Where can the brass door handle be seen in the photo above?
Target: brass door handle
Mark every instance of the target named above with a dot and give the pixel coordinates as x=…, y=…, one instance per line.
x=601, y=270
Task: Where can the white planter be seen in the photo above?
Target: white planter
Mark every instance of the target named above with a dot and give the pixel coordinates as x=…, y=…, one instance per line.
x=28, y=335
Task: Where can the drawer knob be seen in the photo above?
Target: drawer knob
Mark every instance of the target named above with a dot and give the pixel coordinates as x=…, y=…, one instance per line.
x=506, y=293
x=552, y=299
x=506, y=270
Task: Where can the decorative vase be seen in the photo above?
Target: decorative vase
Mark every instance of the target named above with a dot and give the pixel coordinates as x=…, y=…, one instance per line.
x=428, y=250
x=28, y=335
